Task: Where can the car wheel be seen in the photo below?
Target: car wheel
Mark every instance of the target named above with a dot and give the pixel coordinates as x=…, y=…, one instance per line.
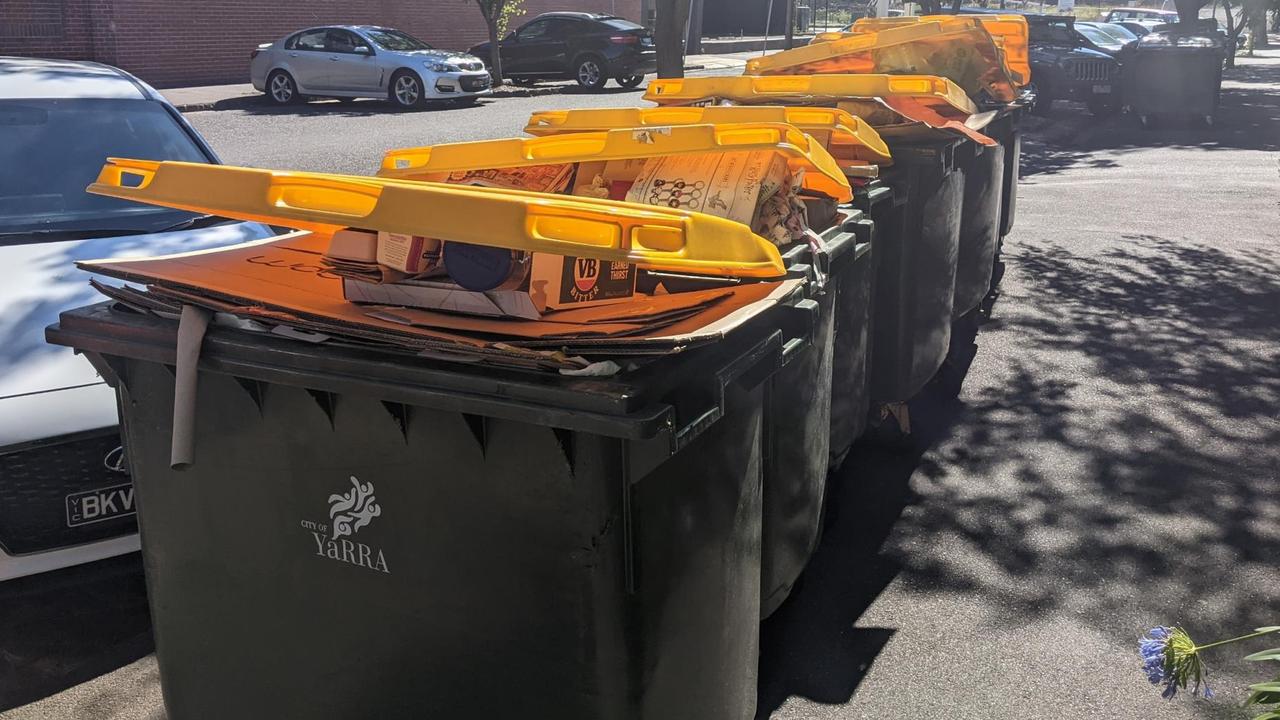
x=630, y=81
x=589, y=72
x=281, y=88
x=405, y=90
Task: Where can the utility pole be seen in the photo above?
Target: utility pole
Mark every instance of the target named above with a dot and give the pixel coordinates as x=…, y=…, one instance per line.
x=668, y=33
x=693, y=40
x=791, y=24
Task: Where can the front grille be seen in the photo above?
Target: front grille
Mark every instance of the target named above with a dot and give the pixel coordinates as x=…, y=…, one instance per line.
x=1093, y=70
x=35, y=484
x=474, y=84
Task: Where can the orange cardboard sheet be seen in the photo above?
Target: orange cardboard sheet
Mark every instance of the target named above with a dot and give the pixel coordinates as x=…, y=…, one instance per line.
x=281, y=279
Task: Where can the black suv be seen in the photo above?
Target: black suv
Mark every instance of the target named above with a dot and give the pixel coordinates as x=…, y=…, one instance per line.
x=1064, y=67
x=586, y=47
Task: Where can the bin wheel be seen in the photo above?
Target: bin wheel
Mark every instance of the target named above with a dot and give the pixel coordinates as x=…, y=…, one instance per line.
x=890, y=428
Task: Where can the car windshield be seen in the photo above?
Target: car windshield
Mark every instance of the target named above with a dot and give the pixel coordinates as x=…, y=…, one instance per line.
x=396, y=41
x=53, y=149
x=1118, y=32
x=619, y=24
x=1097, y=37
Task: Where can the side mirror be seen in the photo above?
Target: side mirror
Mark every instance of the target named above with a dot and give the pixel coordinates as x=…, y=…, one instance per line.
x=362, y=50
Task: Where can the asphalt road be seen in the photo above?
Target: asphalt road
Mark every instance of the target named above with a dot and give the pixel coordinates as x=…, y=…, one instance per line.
x=1112, y=461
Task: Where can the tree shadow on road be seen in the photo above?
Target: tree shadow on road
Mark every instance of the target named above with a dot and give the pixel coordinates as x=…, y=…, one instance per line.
x=1123, y=470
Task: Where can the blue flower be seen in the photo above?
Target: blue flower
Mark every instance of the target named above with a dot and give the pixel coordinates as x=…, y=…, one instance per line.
x=1171, y=658
x=1154, y=649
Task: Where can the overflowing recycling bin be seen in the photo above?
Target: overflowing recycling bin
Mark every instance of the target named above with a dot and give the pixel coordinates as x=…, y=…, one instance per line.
x=607, y=147
x=349, y=454
x=917, y=217
x=542, y=426
x=1175, y=71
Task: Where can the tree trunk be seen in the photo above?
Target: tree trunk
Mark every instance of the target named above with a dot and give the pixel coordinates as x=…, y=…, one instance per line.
x=668, y=33
x=1257, y=12
x=1233, y=34
x=495, y=55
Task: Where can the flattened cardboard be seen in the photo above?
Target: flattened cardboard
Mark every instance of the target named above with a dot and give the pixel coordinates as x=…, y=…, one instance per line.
x=281, y=280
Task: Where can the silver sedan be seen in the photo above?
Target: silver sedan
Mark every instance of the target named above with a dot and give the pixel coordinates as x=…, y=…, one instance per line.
x=355, y=61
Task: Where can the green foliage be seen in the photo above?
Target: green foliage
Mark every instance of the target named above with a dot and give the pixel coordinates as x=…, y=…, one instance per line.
x=1267, y=693
x=499, y=13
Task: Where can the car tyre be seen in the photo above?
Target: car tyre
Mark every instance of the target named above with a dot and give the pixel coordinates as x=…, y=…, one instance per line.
x=589, y=72
x=406, y=90
x=630, y=81
x=281, y=88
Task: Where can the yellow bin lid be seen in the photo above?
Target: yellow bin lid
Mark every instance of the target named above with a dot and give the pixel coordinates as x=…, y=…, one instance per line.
x=652, y=237
x=822, y=173
x=1009, y=31
x=849, y=136
x=808, y=90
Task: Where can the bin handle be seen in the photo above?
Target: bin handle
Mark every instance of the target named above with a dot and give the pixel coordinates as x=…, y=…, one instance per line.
x=192, y=325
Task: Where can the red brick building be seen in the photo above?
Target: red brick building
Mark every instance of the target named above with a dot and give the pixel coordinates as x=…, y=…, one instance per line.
x=207, y=42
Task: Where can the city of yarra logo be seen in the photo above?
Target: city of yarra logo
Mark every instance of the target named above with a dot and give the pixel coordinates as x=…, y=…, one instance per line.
x=353, y=510
x=348, y=513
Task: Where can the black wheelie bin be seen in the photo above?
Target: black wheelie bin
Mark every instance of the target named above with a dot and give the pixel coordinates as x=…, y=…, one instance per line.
x=361, y=530
x=803, y=404
x=1176, y=71
x=915, y=206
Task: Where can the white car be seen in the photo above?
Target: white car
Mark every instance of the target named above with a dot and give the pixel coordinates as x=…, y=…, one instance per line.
x=65, y=492
x=365, y=61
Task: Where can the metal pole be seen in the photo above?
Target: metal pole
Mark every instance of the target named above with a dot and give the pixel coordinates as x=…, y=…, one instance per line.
x=791, y=24
x=768, y=15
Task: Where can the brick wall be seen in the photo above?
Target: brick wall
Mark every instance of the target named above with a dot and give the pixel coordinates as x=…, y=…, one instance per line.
x=206, y=42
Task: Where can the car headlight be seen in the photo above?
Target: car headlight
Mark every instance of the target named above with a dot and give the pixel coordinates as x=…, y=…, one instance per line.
x=441, y=67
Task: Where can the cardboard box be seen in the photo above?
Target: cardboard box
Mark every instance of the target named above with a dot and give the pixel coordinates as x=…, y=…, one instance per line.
x=555, y=282
x=411, y=254
x=356, y=245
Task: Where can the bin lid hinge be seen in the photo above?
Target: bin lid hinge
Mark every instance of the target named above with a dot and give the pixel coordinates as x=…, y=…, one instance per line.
x=256, y=390
x=476, y=424
x=327, y=402
x=399, y=412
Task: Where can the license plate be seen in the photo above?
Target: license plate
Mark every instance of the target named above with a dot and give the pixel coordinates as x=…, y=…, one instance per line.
x=106, y=503
x=1101, y=89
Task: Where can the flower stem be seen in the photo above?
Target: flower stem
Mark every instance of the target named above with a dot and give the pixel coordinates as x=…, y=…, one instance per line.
x=1235, y=639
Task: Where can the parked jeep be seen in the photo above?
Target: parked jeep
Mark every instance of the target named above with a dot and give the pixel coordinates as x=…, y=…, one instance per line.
x=1063, y=67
